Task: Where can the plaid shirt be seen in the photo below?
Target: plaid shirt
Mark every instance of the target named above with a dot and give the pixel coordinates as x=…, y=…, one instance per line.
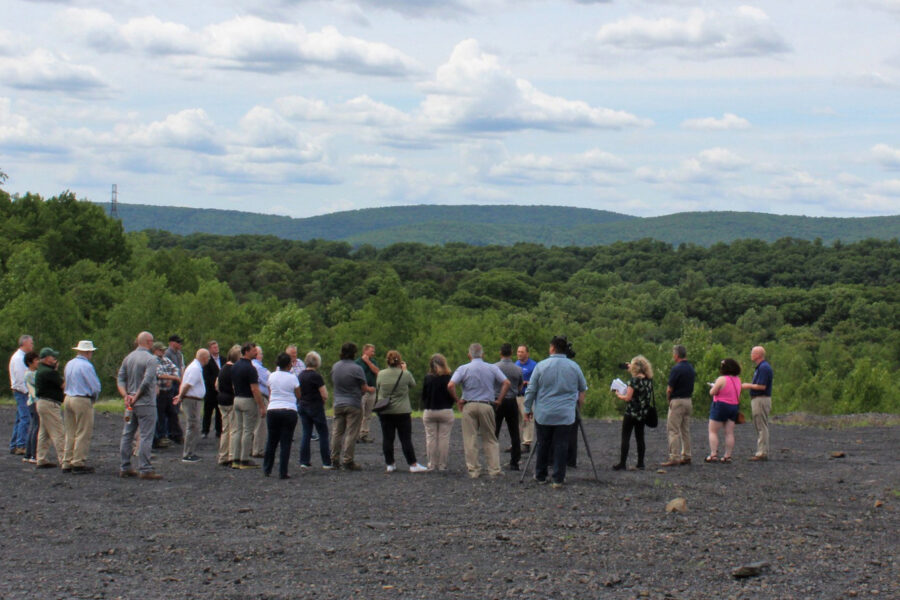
x=166, y=367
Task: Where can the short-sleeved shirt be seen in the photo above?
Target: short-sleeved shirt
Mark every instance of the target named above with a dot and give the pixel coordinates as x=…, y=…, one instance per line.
x=477, y=379
x=641, y=398
x=681, y=379
x=193, y=376
x=310, y=383
x=243, y=375
x=371, y=377
x=763, y=375
x=165, y=367
x=263, y=377
x=225, y=396
x=514, y=374
x=348, y=379
x=281, y=391
x=527, y=369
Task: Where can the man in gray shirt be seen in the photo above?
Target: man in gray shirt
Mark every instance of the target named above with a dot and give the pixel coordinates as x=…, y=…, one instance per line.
x=507, y=406
x=349, y=385
x=137, y=385
x=477, y=379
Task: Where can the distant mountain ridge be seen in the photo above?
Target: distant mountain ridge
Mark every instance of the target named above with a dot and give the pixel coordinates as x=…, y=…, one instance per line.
x=507, y=225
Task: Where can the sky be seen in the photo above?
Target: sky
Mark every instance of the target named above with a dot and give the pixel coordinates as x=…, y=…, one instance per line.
x=307, y=107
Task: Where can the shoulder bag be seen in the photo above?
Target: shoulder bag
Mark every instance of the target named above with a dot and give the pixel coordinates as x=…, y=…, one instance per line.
x=382, y=403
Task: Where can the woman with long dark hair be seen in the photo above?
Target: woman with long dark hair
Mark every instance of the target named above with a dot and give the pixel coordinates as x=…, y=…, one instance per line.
x=723, y=413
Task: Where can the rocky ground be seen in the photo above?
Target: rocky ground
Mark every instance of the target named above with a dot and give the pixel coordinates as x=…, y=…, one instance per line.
x=826, y=526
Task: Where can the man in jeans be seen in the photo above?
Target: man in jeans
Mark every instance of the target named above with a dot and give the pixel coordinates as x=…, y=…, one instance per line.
x=760, y=401
x=136, y=383
x=17, y=369
x=477, y=379
x=349, y=386
x=678, y=421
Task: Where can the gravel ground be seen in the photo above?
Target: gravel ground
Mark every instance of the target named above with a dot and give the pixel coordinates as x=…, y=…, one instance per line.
x=826, y=526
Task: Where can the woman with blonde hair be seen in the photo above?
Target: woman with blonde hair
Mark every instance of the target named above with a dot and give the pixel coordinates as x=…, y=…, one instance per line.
x=638, y=399
x=393, y=383
x=437, y=415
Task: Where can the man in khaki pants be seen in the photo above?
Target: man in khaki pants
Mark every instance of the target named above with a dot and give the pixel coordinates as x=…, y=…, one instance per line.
x=477, y=379
x=760, y=401
x=48, y=387
x=678, y=421
x=82, y=390
x=526, y=426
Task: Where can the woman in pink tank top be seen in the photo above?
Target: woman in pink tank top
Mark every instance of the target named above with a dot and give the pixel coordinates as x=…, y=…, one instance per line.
x=726, y=394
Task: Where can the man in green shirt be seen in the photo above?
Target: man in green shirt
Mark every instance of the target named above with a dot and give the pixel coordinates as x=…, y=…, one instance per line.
x=370, y=368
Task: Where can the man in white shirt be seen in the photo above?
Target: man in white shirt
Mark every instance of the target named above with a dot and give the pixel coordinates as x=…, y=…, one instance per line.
x=17, y=369
x=191, y=395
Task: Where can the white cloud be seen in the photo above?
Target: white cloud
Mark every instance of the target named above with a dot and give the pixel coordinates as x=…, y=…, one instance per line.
x=890, y=187
x=589, y=167
x=871, y=79
x=473, y=93
x=244, y=43
x=374, y=161
x=44, y=70
x=728, y=122
x=887, y=156
x=18, y=134
x=745, y=32
x=891, y=6
x=710, y=166
x=189, y=129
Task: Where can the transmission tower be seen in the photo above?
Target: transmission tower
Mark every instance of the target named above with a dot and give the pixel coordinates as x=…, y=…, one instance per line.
x=114, y=202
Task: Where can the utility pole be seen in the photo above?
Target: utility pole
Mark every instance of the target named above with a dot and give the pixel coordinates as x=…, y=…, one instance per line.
x=114, y=203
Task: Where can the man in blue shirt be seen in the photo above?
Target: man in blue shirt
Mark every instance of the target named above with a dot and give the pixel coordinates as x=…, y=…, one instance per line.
x=82, y=390
x=556, y=388
x=760, y=401
x=258, y=449
x=526, y=427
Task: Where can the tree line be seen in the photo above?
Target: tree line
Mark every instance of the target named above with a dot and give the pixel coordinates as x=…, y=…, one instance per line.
x=828, y=314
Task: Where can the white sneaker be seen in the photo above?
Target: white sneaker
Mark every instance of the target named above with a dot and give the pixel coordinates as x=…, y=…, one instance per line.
x=390, y=469
x=305, y=466
x=417, y=468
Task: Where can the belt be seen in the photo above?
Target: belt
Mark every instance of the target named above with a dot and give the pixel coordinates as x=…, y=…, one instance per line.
x=192, y=398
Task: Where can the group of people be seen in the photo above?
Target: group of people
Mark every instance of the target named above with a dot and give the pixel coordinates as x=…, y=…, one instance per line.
x=255, y=412
x=724, y=412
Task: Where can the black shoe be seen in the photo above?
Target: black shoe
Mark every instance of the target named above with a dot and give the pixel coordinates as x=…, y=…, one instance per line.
x=82, y=470
x=640, y=467
x=513, y=467
x=284, y=477
x=619, y=467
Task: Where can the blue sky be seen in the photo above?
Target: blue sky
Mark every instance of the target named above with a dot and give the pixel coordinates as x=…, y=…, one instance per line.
x=304, y=107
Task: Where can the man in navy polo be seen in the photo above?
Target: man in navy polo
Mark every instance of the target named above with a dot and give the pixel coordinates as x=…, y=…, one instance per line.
x=760, y=401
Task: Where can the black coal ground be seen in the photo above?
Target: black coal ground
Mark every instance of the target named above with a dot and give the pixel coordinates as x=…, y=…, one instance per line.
x=827, y=527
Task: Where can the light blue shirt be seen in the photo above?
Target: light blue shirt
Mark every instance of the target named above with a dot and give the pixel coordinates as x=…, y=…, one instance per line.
x=81, y=378
x=263, y=377
x=553, y=390
x=477, y=379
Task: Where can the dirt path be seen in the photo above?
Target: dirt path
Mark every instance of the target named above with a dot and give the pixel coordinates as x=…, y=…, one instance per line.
x=205, y=531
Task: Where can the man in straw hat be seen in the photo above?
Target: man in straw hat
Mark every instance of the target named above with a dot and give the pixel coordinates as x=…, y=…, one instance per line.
x=82, y=390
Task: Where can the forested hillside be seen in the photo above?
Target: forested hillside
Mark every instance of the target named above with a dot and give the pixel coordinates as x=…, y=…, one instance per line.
x=828, y=314
x=507, y=225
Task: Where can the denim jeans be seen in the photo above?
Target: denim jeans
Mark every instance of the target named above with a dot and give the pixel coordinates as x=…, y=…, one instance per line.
x=19, y=437
x=555, y=437
x=314, y=416
x=31, y=446
x=280, y=425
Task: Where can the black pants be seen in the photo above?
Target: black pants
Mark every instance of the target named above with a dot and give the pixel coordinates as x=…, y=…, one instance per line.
x=167, y=424
x=210, y=403
x=628, y=424
x=281, y=424
x=402, y=426
x=551, y=439
x=509, y=411
x=572, y=450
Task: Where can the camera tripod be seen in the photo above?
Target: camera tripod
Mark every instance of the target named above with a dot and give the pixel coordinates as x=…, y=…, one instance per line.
x=587, y=447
